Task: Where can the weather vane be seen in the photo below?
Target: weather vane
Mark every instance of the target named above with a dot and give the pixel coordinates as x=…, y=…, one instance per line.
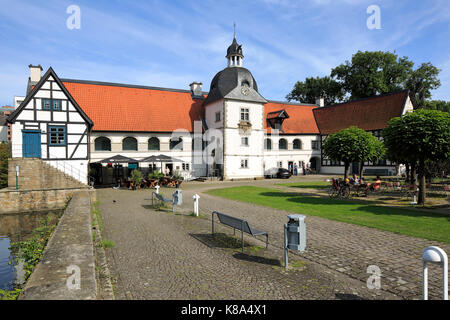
x=234, y=24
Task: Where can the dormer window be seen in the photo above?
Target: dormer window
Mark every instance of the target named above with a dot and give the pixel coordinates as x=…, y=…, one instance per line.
x=275, y=119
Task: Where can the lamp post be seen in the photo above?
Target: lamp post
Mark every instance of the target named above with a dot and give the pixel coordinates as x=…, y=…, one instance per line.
x=438, y=256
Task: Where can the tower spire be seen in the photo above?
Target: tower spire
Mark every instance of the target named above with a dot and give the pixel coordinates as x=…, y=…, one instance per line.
x=234, y=52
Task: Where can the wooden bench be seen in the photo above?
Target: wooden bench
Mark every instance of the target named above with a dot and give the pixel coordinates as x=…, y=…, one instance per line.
x=239, y=224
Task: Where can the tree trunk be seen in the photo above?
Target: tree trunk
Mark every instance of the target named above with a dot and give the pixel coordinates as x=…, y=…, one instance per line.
x=422, y=184
x=407, y=169
x=413, y=173
x=346, y=166
x=361, y=167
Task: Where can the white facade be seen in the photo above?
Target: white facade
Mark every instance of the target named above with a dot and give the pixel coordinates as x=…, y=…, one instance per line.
x=49, y=117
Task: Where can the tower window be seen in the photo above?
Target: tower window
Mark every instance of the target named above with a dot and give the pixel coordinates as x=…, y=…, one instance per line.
x=245, y=114
x=244, y=141
x=217, y=116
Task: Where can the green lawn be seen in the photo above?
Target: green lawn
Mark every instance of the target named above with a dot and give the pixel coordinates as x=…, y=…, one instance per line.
x=403, y=221
x=307, y=185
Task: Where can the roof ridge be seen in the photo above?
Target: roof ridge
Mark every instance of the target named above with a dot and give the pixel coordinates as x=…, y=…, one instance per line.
x=293, y=103
x=366, y=98
x=125, y=85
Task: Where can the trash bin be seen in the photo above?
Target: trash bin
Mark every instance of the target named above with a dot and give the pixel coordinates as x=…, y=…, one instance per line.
x=177, y=197
x=296, y=232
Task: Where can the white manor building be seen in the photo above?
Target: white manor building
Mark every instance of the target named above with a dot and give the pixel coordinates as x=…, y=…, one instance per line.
x=231, y=131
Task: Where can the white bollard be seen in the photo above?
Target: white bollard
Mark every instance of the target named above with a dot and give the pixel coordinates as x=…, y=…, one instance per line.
x=196, y=197
x=157, y=189
x=435, y=255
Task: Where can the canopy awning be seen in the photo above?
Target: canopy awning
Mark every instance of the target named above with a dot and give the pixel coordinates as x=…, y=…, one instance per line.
x=118, y=159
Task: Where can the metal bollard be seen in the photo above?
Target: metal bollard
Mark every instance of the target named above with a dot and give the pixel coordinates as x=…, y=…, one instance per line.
x=196, y=197
x=435, y=255
x=157, y=189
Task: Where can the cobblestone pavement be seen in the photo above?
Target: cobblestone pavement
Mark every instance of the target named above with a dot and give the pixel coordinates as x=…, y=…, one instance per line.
x=158, y=255
x=346, y=248
x=163, y=256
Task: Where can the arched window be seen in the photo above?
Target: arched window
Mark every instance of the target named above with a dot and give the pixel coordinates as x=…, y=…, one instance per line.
x=268, y=144
x=176, y=143
x=102, y=144
x=129, y=143
x=282, y=144
x=153, y=143
x=297, y=144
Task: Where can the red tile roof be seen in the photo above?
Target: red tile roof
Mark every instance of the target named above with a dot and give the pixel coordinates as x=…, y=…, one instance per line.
x=368, y=114
x=132, y=108
x=301, y=118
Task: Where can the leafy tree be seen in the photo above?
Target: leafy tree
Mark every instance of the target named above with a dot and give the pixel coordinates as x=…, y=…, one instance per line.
x=136, y=177
x=313, y=88
x=420, y=83
x=373, y=72
x=351, y=145
x=417, y=137
x=438, y=105
x=5, y=153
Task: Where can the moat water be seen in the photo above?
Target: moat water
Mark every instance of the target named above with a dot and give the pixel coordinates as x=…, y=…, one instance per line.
x=15, y=228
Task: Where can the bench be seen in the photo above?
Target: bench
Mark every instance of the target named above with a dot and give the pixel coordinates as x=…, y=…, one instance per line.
x=162, y=199
x=239, y=224
x=380, y=172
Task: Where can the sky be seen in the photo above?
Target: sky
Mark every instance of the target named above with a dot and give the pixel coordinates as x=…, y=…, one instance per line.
x=173, y=43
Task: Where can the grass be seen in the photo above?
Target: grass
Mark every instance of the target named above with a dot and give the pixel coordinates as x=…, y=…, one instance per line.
x=412, y=222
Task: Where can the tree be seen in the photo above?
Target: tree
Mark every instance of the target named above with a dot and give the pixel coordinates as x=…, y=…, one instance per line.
x=373, y=72
x=418, y=137
x=438, y=105
x=352, y=145
x=5, y=153
x=420, y=83
x=313, y=88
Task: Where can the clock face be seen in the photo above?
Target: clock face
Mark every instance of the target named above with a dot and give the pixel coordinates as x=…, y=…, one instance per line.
x=245, y=90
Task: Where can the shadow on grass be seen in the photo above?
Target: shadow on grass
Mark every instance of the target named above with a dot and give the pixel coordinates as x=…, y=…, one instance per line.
x=361, y=206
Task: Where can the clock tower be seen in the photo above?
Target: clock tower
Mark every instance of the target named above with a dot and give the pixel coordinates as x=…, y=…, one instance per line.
x=235, y=108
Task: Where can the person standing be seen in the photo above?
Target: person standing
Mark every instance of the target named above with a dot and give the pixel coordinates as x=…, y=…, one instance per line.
x=295, y=169
x=167, y=171
x=303, y=168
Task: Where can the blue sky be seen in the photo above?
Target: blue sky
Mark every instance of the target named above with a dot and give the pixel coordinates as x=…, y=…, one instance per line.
x=172, y=43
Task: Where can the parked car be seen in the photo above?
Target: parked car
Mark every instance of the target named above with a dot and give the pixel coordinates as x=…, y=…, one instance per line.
x=280, y=173
x=283, y=173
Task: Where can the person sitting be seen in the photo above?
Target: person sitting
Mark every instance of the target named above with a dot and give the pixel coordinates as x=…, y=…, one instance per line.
x=376, y=185
x=354, y=180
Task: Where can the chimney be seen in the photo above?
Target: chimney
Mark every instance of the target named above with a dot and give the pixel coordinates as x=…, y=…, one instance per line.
x=35, y=73
x=196, y=89
x=320, y=102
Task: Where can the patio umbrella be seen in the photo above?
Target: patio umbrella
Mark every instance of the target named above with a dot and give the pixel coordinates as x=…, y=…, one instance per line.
x=118, y=159
x=161, y=158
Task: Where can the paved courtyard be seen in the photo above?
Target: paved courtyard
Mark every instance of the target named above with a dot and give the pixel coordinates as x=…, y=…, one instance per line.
x=158, y=255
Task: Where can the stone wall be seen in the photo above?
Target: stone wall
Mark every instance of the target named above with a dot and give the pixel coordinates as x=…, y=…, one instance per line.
x=37, y=174
x=20, y=201
x=69, y=254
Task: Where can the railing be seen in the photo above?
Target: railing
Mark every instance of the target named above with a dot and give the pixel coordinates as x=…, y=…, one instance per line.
x=57, y=163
